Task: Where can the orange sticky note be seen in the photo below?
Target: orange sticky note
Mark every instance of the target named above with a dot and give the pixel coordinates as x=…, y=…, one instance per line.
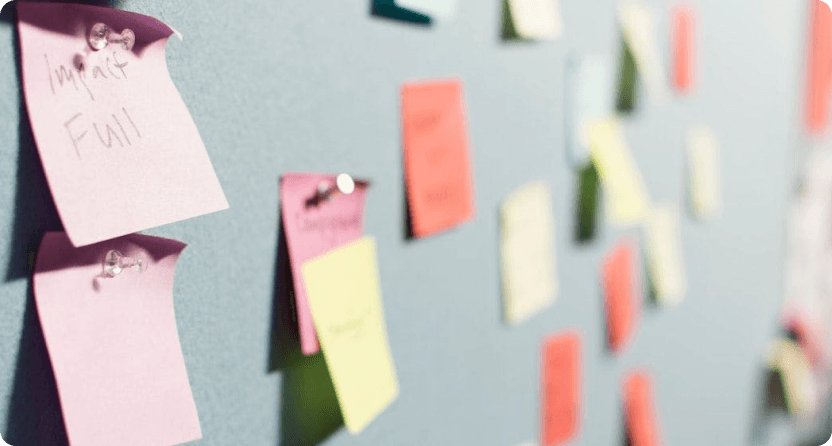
x=683, y=49
x=639, y=411
x=561, y=388
x=819, y=69
x=621, y=284
x=436, y=164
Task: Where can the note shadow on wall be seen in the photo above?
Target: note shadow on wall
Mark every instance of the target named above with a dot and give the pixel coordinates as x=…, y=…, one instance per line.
x=768, y=402
x=34, y=211
x=389, y=9
x=309, y=411
x=34, y=414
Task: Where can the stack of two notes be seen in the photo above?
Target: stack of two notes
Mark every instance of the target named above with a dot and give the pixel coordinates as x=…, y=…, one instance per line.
x=337, y=293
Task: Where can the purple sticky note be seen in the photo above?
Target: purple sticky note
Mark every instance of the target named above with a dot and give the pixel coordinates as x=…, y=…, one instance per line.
x=120, y=151
x=113, y=342
x=313, y=227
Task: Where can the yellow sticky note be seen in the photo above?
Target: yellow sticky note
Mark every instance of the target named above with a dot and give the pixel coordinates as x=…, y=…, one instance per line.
x=639, y=29
x=664, y=254
x=705, y=185
x=536, y=19
x=796, y=372
x=626, y=197
x=344, y=295
x=527, y=252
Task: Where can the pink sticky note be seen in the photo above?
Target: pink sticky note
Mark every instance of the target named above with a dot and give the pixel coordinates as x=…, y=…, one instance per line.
x=120, y=151
x=113, y=343
x=314, y=227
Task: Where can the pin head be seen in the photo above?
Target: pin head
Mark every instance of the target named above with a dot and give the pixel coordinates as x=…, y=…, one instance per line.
x=345, y=184
x=98, y=36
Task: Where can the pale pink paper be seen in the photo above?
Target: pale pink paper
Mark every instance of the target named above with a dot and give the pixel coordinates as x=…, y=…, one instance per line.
x=113, y=343
x=155, y=170
x=315, y=229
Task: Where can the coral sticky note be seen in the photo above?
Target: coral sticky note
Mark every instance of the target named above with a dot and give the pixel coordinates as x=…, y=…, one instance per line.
x=621, y=280
x=436, y=160
x=113, y=342
x=704, y=175
x=120, y=151
x=639, y=30
x=819, y=67
x=435, y=9
x=664, y=254
x=640, y=419
x=561, y=391
x=684, y=40
x=535, y=19
x=626, y=198
x=527, y=252
x=313, y=226
x=345, y=297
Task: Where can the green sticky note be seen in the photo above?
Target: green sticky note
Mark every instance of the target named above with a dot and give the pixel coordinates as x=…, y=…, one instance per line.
x=588, y=188
x=627, y=80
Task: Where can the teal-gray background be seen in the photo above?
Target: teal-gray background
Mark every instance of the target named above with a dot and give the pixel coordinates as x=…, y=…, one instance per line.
x=278, y=86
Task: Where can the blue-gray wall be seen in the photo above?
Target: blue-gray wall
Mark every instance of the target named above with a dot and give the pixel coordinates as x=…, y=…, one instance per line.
x=277, y=86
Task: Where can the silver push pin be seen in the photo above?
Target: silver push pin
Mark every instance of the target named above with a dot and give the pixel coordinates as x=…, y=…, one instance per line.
x=115, y=263
x=101, y=36
x=344, y=185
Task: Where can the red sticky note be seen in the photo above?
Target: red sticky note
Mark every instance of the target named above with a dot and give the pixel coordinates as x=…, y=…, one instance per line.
x=819, y=69
x=561, y=388
x=313, y=227
x=683, y=49
x=622, y=282
x=808, y=335
x=436, y=164
x=639, y=410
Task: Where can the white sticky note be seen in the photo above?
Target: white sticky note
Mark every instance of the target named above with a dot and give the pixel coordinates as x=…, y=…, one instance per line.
x=527, y=252
x=664, y=254
x=639, y=29
x=536, y=19
x=591, y=97
x=435, y=9
x=704, y=179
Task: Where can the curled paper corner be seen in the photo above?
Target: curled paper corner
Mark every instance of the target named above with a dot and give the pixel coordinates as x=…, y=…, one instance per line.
x=178, y=34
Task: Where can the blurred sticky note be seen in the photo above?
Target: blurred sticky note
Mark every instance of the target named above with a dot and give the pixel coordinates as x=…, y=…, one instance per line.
x=344, y=294
x=809, y=335
x=313, y=227
x=627, y=81
x=622, y=283
x=591, y=93
x=639, y=30
x=819, y=67
x=113, y=343
x=704, y=177
x=527, y=252
x=535, y=19
x=436, y=161
x=561, y=388
x=587, y=205
x=120, y=151
x=683, y=49
x=798, y=383
x=435, y=9
x=664, y=254
x=626, y=196
x=641, y=422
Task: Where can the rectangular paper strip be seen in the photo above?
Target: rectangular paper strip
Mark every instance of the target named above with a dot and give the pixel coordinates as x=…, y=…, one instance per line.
x=345, y=298
x=120, y=150
x=113, y=343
